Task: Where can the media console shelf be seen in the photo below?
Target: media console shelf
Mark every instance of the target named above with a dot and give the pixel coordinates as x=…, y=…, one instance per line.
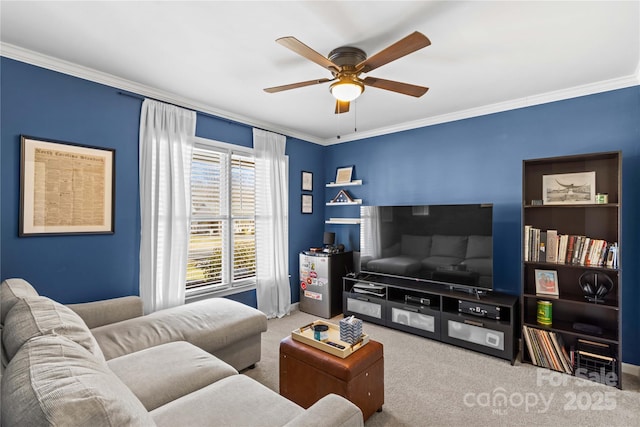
x=432, y=310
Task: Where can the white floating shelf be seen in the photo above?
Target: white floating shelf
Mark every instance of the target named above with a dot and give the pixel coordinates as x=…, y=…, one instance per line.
x=345, y=184
x=343, y=221
x=355, y=202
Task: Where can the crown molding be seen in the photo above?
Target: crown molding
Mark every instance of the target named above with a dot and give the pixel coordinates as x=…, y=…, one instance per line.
x=66, y=67
x=559, y=95
x=86, y=73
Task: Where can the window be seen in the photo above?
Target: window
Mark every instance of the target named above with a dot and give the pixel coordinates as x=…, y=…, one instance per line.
x=222, y=244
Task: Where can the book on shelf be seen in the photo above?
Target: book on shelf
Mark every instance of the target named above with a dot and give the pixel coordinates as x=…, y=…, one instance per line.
x=586, y=246
x=532, y=345
x=546, y=349
x=552, y=247
x=612, y=256
x=575, y=259
x=543, y=339
x=570, y=247
x=563, y=355
x=562, y=249
x=525, y=241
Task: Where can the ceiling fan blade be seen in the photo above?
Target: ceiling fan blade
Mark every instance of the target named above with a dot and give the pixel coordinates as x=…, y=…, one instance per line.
x=404, y=88
x=296, y=85
x=342, y=106
x=303, y=50
x=407, y=45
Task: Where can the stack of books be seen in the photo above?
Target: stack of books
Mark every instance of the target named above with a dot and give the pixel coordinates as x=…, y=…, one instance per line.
x=546, y=349
x=549, y=246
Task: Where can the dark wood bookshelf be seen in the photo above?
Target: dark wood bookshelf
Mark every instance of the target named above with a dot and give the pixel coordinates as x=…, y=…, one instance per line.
x=596, y=221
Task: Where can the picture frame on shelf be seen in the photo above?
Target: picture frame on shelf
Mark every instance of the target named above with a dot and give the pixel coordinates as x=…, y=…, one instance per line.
x=307, y=181
x=78, y=180
x=344, y=174
x=307, y=204
x=546, y=282
x=569, y=188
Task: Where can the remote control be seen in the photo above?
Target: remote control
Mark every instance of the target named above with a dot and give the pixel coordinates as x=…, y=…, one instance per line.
x=331, y=343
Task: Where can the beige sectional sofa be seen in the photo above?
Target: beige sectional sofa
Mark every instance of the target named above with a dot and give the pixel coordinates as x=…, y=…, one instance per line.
x=105, y=364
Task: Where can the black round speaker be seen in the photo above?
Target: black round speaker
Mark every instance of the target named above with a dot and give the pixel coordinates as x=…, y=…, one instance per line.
x=595, y=285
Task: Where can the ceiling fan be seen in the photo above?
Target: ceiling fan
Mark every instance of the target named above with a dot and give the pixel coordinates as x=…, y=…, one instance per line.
x=347, y=63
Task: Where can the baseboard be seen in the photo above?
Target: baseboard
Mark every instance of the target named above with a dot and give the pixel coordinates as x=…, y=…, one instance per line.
x=295, y=306
x=628, y=368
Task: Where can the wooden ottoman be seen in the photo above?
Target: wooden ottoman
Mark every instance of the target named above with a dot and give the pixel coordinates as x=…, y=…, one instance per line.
x=307, y=374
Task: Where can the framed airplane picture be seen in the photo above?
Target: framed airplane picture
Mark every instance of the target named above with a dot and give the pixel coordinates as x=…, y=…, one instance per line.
x=569, y=188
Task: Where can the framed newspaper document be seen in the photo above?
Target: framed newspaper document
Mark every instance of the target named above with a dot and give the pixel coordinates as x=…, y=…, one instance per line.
x=65, y=188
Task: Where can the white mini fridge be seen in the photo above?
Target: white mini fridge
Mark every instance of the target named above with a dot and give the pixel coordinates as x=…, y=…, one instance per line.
x=321, y=282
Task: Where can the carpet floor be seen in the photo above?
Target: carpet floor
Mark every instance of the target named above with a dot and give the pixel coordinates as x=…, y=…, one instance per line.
x=428, y=383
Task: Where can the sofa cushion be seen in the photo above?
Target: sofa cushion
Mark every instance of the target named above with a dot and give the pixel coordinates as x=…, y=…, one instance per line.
x=183, y=368
x=34, y=316
x=104, y=312
x=233, y=401
x=479, y=247
x=449, y=246
x=416, y=246
x=211, y=324
x=11, y=291
x=55, y=381
x=331, y=410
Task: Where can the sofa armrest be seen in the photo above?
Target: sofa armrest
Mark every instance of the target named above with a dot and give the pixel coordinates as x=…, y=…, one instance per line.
x=105, y=312
x=330, y=411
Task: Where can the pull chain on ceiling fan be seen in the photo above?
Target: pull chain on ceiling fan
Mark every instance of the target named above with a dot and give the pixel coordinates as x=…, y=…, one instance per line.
x=347, y=63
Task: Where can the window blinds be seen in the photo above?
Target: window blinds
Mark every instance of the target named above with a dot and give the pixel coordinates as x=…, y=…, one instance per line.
x=222, y=242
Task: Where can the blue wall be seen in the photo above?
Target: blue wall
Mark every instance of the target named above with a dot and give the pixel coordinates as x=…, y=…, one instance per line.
x=480, y=160
x=51, y=105
x=473, y=160
x=43, y=103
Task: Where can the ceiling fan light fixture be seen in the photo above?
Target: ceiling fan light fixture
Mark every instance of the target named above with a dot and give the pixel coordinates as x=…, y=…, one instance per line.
x=346, y=90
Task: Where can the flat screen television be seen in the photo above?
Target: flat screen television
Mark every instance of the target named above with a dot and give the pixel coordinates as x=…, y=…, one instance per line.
x=446, y=244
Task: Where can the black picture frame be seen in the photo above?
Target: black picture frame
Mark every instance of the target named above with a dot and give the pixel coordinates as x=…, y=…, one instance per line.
x=79, y=180
x=306, y=179
x=306, y=204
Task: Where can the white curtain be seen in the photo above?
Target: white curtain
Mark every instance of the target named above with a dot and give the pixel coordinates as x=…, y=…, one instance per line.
x=370, y=232
x=272, y=224
x=166, y=146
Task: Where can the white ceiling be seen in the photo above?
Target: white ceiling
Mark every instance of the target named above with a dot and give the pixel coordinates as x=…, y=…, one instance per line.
x=217, y=57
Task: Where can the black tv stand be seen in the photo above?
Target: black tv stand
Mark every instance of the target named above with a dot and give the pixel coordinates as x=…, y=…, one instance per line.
x=434, y=310
x=473, y=291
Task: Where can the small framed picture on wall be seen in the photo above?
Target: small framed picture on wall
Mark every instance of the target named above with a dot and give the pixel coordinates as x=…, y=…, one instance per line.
x=307, y=181
x=307, y=204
